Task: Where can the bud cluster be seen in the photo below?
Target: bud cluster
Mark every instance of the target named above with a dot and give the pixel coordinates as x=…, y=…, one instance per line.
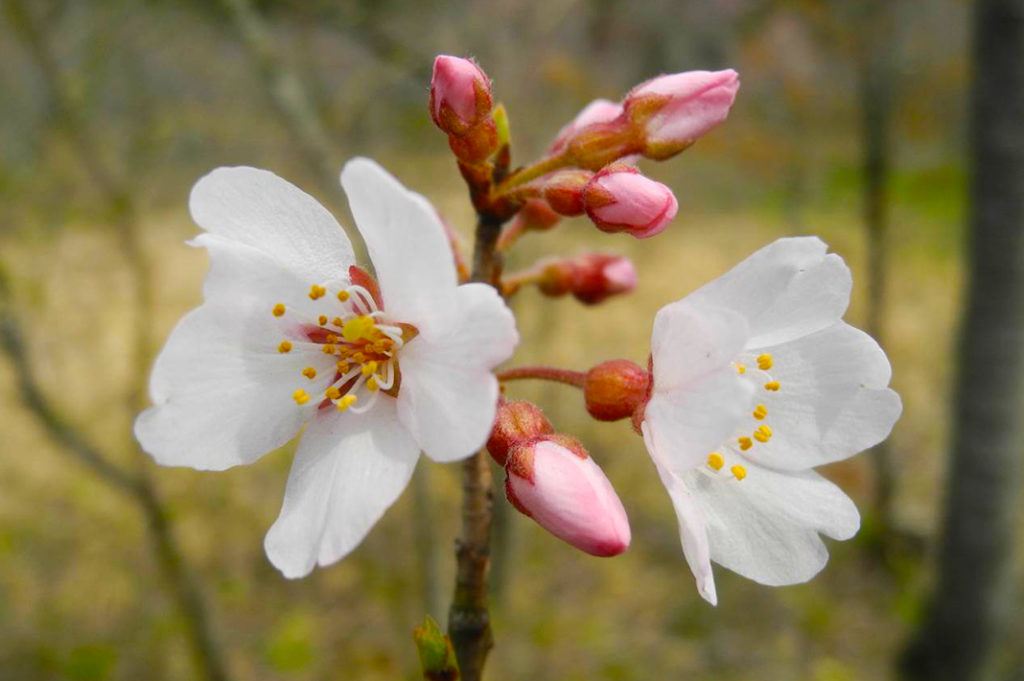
x=552, y=479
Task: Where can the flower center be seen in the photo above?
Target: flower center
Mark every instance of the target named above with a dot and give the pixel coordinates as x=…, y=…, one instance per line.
x=754, y=368
x=362, y=343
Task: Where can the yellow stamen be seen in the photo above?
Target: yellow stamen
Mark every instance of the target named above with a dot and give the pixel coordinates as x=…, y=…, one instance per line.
x=764, y=362
x=745, y=443
x=309, y=372
x=739, y=471
x=285, y=346
x=337, y=321
x=740, y=369
x=327, y=349
x=278, y=310
x=346, y=402
x=300, y=396
x=773, y=386
x=357, y=328
x=343, y=296
x=760, y=412
x=344, y=368
x=322, y=319
x=331, y=338
x=763, y=434
x=359, y=358
x=316, y=292
x=716, y=461
x=371, y=384
x=369, y=368
x=763, y=428
x=332, y=393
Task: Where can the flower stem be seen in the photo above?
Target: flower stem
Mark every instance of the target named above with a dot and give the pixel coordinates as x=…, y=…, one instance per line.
x=469, y=621
x=524, y=175
x=566, y=376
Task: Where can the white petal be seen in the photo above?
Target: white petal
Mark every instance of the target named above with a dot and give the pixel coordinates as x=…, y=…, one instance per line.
x=347, y=472
x=448, y=395
x=407, y=245
x=692, y=533
x=221, y=391
x=787, y=289
x=259, y=209
x=766, y=526
x=833, y=401
x=690, y=341
x=687, y=424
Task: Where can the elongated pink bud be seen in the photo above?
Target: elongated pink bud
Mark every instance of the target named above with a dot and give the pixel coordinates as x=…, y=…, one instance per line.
x=460, y=94
x=552, y=480
x=620, y=199
x=672, y=111
x=598, y=111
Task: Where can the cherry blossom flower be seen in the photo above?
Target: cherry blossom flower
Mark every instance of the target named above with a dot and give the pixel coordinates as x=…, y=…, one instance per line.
x=292, y=335
x=757, y=380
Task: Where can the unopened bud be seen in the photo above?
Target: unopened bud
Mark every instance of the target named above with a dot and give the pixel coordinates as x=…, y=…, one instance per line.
x=552, y=480
x=478, y=144
x=598, y=111
x=460, y=94
x=620, y=199
x=599, y=276
x=516, y=421
x=564, y=189
x=671, y=112
x=614, y=389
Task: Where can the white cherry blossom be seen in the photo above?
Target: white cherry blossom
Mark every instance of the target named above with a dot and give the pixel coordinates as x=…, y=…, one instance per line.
x=757, y=380
x=292, y=335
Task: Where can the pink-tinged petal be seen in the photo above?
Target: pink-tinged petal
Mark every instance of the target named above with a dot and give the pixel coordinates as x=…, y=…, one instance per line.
x=259, y=209
x=448, y=395
x=687, y=424
x=620, y=199
x=407, y=245
x=222, y=392
x=348, y=470
x=690, y=341
x=568, y=495
x=786, y=290
x=692, y=533
x=598, y=111
x=765, y=527
x=832, y=403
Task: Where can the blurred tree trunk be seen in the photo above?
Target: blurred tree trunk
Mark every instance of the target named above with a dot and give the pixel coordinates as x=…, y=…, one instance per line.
x=876, y=96
x=969, y=610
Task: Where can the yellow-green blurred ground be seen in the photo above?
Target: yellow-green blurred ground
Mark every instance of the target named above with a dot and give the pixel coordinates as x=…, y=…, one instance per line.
x=81, y=598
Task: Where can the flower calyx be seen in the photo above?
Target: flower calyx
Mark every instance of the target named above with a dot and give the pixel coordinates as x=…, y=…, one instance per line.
x=516, y=421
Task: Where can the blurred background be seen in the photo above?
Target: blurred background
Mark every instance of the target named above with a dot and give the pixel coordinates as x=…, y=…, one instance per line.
x=851, y=123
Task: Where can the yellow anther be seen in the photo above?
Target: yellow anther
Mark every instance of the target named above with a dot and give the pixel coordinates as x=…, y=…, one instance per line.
x=344, y=368
x=716, y=461
x=346, y=402
x=773, y=386
x=763, y=434
x=309, y=372
x=327, y=349
x=344, y=351
x=740, y=369
x=285, y=346
x=739, y=471
x=316, y=292
x=343, y=296
x=745, y=443
x=760, y=412
x=764, y=362
x=322, y=319
x=371, y=384
x=278, y=310
x=331, y=338
x=332, y=393
x=300, y=396
x=357, y=328
x=358, y=358
x=763, y=428
x=337, y=321
x=369, y=368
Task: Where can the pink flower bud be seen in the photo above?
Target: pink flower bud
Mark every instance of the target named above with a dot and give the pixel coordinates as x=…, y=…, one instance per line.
x=599, y=276
x=515, y=422
x=672, y=111
x=598, y=111
x=614, y=389
x=620, y=199
x=554, y=481
x=563, y=191
x=460, y=94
